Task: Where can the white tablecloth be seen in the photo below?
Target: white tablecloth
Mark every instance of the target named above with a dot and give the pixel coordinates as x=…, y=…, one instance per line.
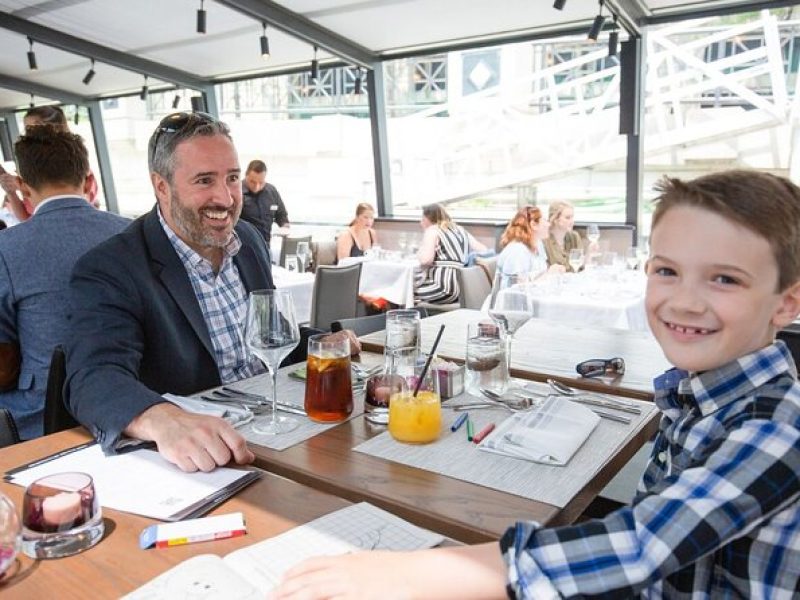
x=597, y=298
x=390, y=279
x=300, y=285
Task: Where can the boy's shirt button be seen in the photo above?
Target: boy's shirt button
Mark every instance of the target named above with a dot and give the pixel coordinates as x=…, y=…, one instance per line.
x=662, y=457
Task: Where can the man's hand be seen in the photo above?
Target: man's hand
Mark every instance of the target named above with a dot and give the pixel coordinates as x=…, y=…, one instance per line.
x=9, y=184
x=349, y=335
x=193, y=442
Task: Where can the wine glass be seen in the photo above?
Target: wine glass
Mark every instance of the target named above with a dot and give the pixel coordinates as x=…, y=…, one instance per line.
x=632, y=258
x=302, y=254
x=510, y=306
x=576, y=259
x=271, y=334
x=593, y=233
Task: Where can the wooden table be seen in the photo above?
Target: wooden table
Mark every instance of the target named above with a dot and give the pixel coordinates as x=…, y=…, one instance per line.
x=543, y=349
x=116, y=565
x=460, y=510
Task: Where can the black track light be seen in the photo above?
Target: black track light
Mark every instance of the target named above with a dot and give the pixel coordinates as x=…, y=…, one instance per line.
x=597, y=25
x=32, y=57
x=87, y=79
x=32, y=102
x=144, y=92
x=77, y=118
x=357, y=85
x=559, y=4
x=176, y=101
x=201, y=19
x=315, y=66
x=264, y=42
x=613, y=39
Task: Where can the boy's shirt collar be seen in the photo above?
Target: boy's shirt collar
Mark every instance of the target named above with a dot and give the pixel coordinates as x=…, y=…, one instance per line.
x=712, y=390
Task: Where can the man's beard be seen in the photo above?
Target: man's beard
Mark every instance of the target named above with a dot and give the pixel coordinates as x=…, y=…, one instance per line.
x=189, y=224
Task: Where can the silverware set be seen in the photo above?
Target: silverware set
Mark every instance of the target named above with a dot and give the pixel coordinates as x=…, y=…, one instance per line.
x=254, y=402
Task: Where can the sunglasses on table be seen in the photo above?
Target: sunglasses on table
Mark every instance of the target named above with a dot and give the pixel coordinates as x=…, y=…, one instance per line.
x=174, y=122
x=597, y=367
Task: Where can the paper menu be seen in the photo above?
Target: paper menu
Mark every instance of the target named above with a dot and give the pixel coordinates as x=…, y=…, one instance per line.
x=254, y=570
x=151, y=485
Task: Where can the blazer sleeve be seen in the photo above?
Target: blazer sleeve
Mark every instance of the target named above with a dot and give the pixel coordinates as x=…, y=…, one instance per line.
x=104, y=349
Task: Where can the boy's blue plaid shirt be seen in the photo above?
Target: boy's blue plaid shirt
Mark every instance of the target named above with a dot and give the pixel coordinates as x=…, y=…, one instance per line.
x=717, y=514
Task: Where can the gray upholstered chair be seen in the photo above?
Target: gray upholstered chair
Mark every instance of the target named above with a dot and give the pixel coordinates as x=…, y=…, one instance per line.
x=364, y=325
x=323, y=253
x=289, y=246
x=489, y=265
x=474, y=286
x=335, y=295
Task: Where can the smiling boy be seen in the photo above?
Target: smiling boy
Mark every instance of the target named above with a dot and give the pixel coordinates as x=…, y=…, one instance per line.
x=718, y=509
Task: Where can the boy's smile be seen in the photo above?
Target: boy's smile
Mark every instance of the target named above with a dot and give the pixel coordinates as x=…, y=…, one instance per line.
x=712, y=289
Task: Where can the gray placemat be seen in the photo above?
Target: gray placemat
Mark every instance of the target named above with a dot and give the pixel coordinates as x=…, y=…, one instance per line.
x=290, y=391
x=452, y=455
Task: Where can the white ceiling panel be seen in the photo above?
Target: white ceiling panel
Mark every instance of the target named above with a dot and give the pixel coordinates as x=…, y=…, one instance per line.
x=163, y=31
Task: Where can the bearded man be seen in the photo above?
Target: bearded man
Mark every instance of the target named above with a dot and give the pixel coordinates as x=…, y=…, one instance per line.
x=160, y=307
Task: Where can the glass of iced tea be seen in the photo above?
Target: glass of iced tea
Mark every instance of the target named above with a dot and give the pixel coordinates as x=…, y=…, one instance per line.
x=329, y=391
x=416, y=419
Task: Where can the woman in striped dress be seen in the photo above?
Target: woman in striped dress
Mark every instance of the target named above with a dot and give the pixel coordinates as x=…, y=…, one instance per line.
x=444, y=249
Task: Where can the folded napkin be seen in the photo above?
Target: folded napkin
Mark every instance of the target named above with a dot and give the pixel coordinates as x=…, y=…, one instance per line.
x=550, y=434
x=234, y=414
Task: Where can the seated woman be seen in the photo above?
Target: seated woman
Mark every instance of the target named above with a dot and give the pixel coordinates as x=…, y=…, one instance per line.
x=523, y=250
x=561, y=239
x=359, y=235
x=444, y=249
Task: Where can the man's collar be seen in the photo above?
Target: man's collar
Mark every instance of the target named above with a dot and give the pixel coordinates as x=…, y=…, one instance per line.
x=50, y=199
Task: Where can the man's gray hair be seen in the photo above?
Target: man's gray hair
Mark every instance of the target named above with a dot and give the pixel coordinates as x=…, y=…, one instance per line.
x=164, y=141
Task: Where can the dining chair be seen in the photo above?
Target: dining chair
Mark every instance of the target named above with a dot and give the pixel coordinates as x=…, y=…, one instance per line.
x=56, y=416
x=474, y=287
x=489, y=265
x=323, y=253
x=370, y=324
x=290, y=246
x=8, y=429
x=335, y=295
x=791, y=336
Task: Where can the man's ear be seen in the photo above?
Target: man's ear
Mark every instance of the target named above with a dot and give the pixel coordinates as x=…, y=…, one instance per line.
x=24, y=189
x=789, y=306
x=160, y=187
x=88, y=183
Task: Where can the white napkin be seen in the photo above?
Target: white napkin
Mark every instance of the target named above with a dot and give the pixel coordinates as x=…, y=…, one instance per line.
x=550, y=434
x=234, y=414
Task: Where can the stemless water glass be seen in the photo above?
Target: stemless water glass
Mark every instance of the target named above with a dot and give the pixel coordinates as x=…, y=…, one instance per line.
x=593, y=233
x=329, y=388
x=9, y=534
x=576, y=259
x=271, y=334
x=402, y=329
x=398, y=367
x=510, y=307
x=303, y=253
x=61, y=516
x=487, y=368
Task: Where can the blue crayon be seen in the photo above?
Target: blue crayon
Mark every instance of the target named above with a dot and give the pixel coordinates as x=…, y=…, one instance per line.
x=459, y=422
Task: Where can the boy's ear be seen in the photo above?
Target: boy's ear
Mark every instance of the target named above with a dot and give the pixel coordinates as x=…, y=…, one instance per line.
x=789, y=307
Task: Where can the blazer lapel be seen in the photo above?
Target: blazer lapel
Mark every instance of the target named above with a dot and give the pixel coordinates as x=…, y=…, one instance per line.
x=170, y=269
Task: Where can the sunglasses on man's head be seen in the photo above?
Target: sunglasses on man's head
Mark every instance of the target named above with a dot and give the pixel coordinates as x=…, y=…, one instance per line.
x=597, y=367
x=176, y=121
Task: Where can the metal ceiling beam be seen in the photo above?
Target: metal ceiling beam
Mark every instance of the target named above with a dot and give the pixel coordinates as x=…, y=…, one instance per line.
x=632, y=14
x=715, y=11
x=304, y=29
x=37, y=89
x=104, y=54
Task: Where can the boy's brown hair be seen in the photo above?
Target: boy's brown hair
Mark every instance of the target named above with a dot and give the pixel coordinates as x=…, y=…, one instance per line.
x=763, y=203
x=46, y=156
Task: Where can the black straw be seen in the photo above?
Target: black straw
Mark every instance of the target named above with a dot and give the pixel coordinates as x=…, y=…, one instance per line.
x=428, y=362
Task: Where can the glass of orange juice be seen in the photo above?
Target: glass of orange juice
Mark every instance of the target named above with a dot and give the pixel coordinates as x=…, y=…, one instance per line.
x=416, y=419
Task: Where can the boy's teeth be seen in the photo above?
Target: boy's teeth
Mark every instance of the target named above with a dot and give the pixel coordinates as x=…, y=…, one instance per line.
x=693, y=330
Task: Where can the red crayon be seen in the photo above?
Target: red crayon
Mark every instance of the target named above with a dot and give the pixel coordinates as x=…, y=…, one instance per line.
x=483, y=433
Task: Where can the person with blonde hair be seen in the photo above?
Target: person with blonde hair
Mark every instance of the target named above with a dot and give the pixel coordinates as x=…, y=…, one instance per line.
x=562, y=238
x=523, y=249
x=359, y=235
x=444, y=249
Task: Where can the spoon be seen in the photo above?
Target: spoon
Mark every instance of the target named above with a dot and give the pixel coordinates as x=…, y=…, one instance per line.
x=590, y=398
x=520, y=401
x=523, y=406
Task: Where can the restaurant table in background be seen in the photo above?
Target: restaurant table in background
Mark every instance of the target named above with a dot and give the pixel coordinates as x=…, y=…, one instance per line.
x=300, y=286
x=543, y=349
x=597, y=298
x=117, y=566
x=392, y=279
